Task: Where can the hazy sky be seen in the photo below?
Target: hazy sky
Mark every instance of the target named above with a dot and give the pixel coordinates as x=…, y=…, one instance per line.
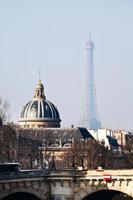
x=50, y=35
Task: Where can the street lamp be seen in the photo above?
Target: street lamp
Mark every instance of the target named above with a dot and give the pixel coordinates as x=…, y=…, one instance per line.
x=82, y=160
x=53, y=162
x=100, y=159
x=73, y=161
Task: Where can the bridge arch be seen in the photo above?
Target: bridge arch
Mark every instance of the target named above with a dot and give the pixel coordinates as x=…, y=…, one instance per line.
x=107, y=195
x=21, y=196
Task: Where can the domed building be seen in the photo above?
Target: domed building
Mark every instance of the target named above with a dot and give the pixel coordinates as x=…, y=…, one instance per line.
x=39, y=112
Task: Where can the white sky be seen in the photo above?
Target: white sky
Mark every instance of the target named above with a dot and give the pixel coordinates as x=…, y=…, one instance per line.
x=50, y=35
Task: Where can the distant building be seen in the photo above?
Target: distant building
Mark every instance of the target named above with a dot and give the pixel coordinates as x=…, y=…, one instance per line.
x=120, y=135
x=106, y=137
x=40, y=134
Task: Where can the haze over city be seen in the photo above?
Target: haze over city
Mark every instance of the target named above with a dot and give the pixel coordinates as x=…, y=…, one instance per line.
x=50, y=36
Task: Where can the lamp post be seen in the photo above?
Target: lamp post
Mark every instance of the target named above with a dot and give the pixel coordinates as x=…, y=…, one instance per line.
x=53, y=162
x=18, y=148
x=41, y=157
x=82, y=160
x=73, y=161
x=100, y=155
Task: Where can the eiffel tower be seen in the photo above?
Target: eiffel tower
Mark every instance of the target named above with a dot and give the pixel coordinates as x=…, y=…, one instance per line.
x=90, y=118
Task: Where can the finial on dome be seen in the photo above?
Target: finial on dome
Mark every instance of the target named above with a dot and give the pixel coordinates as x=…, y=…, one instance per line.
x=39, y=74
x=39, y=91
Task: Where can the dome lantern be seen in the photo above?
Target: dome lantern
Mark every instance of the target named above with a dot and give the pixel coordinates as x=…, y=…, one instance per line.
x=39, y=91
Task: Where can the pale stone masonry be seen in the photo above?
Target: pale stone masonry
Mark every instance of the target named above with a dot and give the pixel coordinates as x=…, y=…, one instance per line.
x=66, y=184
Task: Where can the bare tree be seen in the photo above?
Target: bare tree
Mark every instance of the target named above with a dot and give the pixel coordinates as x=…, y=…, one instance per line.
x=128, y=150
x=85, y=154
x=90, y=154
x=8, y=144
x=4, y=110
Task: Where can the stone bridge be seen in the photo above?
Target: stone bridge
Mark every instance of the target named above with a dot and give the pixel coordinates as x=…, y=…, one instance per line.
x=66, y=185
